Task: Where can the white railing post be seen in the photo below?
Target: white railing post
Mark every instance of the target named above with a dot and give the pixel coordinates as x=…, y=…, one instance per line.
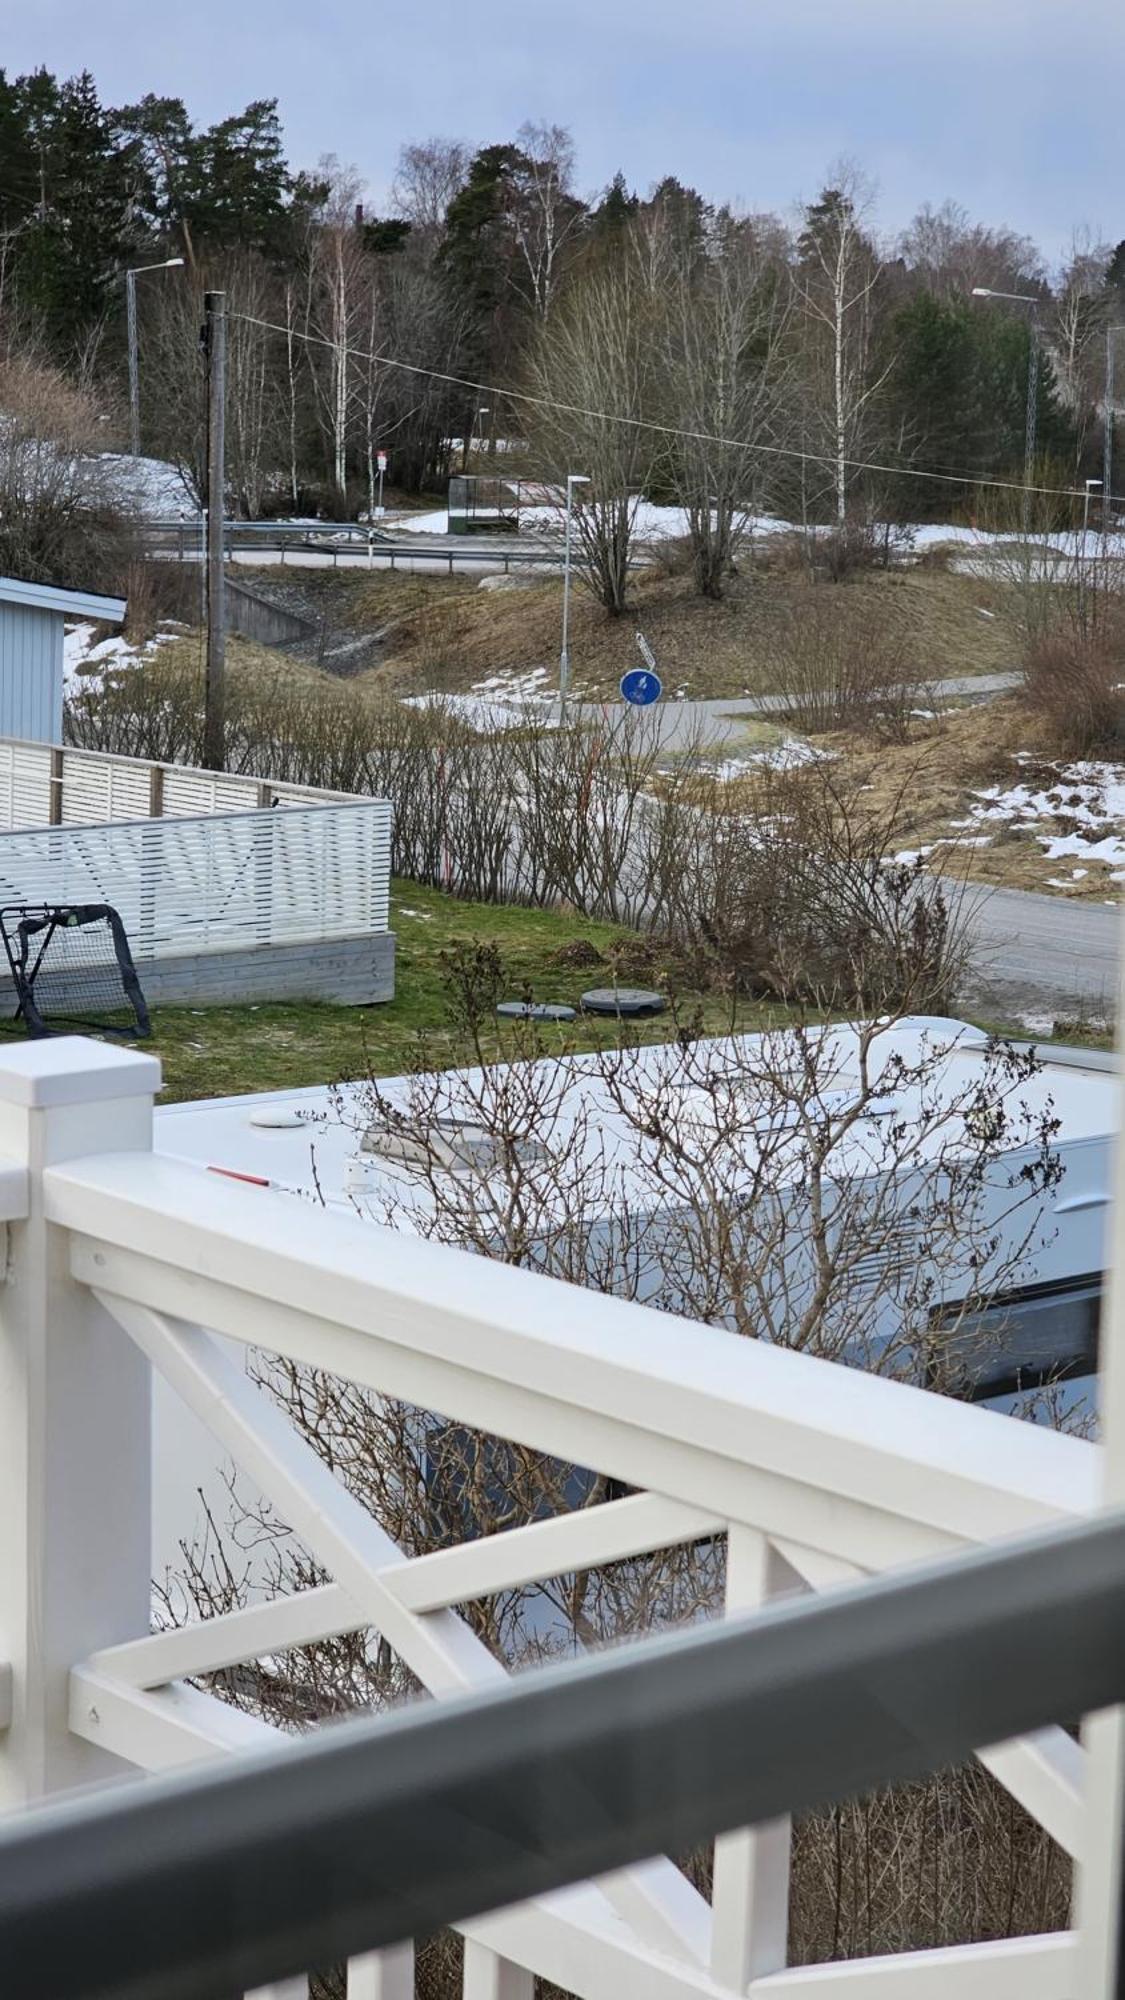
x=490, y=1977
x=750, y=1892
x=75, y=1473
x=382, y=1975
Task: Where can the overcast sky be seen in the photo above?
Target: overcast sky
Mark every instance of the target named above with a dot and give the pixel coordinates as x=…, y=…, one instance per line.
x=1008, y=106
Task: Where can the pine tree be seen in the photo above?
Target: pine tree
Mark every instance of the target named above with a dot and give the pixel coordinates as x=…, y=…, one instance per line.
x=1115, y=270
x=616, y=207
x=81, y=221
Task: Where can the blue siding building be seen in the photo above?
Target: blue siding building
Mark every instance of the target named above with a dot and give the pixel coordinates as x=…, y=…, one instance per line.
x=32, y=621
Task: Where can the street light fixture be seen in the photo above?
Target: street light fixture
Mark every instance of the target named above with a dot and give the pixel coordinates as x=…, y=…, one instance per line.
x=166, y=264
x=573, y=479
x=1025, y=299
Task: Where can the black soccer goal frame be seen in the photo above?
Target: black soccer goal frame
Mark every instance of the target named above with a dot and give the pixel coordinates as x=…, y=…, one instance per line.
x=27, y=930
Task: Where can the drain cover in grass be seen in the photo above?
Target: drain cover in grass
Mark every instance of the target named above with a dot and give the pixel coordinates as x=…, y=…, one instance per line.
x=534, y=1010
x=623, y=1000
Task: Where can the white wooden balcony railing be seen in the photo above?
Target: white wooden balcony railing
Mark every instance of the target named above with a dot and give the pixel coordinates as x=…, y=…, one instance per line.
x=121, y=1263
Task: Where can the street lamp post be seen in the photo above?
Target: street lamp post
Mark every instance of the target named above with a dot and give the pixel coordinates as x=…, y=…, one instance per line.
x=573, y=479
x=1025, y=299
x=167, y=264
x=482, y=412
x=1083, y=570
x=1111, y=333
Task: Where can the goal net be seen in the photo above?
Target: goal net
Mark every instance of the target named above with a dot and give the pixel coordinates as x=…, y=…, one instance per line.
x=72, y=968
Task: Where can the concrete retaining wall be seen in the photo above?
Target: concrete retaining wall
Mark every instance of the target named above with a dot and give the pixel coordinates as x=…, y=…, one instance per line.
x=248, y=614
x=351, y=972
x=255, y=617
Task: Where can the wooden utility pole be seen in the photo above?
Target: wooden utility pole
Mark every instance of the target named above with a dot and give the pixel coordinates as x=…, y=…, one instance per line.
x=214, y=697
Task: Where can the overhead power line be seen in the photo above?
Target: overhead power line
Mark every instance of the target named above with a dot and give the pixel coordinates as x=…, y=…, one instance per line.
x=792, y=452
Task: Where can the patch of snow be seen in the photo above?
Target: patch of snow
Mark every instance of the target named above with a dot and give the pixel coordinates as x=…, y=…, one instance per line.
x=792, y=755
x=1079, y=812
x=651, y=523
x=151, y=486
x=1037, y=1024
x=514, y=685
x=502, y=701
x=86, y=663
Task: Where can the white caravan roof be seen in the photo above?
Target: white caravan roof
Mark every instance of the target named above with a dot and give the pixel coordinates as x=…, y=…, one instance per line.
x=309, y=1141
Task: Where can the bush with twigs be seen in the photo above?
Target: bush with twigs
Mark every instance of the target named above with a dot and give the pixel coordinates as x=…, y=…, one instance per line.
x=502, y=1160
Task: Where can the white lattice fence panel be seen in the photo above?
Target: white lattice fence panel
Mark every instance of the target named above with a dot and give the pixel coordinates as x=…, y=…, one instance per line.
x=220, y=883
x=189, y=793
x=96, y=789
x=25, y=783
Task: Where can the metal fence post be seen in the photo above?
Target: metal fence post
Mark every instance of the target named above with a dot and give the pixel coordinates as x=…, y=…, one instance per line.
x=74, y=1418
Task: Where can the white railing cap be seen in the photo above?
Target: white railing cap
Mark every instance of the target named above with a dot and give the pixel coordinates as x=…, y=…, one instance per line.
x=74, y=1069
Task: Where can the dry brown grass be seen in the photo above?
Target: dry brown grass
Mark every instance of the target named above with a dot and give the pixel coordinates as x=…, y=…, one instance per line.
x=446, y=633
x=934, y=776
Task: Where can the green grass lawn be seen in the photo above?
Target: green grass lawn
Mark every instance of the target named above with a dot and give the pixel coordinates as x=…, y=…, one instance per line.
x=218, y=1051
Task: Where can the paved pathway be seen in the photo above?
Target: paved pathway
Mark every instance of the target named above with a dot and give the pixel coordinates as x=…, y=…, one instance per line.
x=683, y=723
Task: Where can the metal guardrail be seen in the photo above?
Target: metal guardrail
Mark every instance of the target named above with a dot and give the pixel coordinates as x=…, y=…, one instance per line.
x=371, y=1832
x=350, y=539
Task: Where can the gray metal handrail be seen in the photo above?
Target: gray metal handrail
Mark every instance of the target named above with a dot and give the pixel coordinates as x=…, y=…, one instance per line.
x=370, y=1832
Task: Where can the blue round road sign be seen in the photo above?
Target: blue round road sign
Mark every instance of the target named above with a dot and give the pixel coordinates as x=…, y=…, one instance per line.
x=640, y=686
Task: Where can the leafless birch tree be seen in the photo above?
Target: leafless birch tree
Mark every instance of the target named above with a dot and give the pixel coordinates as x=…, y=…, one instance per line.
x=837, y=276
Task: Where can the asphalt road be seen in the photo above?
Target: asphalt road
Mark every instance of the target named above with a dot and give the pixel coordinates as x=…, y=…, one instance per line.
x=715, y=726
x=1042, y=955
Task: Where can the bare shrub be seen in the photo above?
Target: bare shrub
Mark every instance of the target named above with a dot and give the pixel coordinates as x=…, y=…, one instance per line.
x=740, y=1213
x=861, y=543
x=1074, y=681
x=842, y=661
x=671, y=556
x=780, y=883
x=795, y=899
x=63, y=519
x=154, y=711
x=952, y=1861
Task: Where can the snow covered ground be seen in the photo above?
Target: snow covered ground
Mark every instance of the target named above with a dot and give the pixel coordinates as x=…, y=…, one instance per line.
x=650, y=522
x=1075, y=811
x=159, y=491
x=87, y=662
x=151, y=486
x=503, y=701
